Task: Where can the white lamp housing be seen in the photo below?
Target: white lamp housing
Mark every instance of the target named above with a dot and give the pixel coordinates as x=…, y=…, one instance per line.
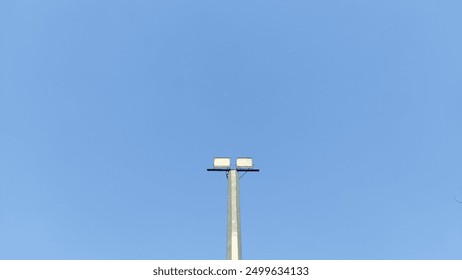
x=244, y=163
x=222, y=163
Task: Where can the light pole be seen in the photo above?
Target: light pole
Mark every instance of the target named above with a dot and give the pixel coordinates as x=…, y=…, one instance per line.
x=233, y=243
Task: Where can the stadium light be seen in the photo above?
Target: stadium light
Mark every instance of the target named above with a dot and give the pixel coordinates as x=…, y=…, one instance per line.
x=244, y=163
x=222, y=163
x=233, y=239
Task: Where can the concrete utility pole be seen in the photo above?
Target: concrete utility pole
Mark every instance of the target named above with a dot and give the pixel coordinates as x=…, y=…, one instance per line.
x=233, y=240
x=234, y=244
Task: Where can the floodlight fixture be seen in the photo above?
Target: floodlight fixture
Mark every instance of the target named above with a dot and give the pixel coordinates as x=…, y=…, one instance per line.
x=222, y=163
x=244, y=162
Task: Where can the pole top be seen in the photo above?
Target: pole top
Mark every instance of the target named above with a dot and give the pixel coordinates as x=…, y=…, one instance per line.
x=244, y=164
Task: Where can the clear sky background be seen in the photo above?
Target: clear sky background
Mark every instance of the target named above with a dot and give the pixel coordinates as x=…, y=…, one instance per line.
x=111, y=112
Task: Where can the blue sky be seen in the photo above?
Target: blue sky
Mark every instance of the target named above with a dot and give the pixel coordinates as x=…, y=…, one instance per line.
x=111, y=112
